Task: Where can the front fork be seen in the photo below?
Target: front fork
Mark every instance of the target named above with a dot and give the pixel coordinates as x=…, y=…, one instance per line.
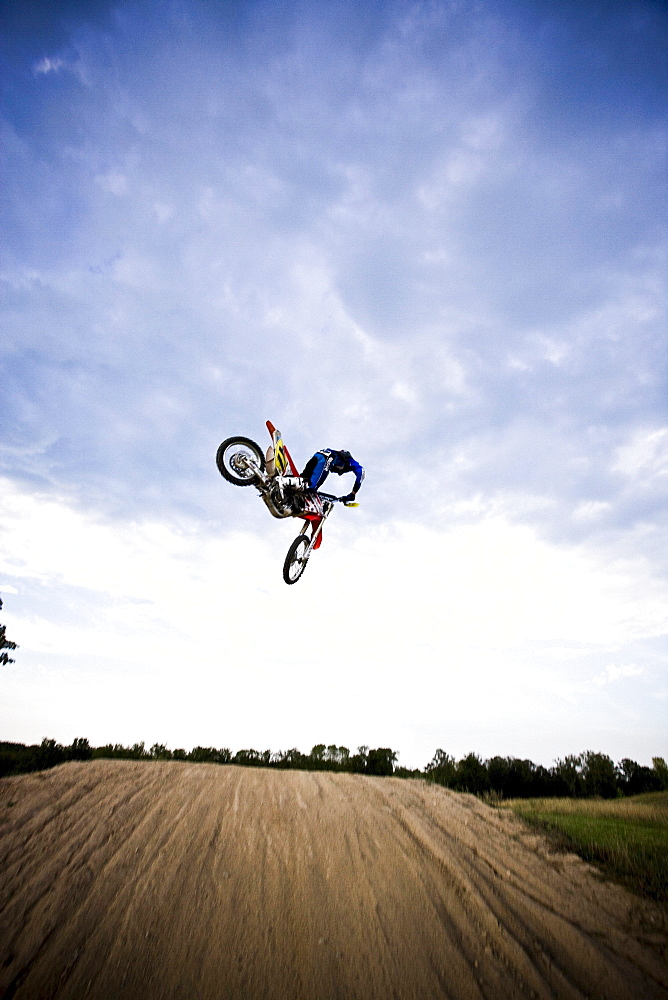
x=318, y=531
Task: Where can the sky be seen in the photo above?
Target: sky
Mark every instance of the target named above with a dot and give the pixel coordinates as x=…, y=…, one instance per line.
x=432, y=232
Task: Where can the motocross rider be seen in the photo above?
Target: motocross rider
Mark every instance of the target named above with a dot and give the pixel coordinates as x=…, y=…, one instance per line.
x=329, y=460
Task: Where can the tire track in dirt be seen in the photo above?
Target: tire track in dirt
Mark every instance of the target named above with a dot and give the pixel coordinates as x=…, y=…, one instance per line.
x=170, y=880
x=563, y=953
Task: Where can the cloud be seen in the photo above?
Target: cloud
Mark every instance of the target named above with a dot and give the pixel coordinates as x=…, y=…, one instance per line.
x=591, y=510
x=282, y=221
x=645, y=456
x=489, y=611
x=427, y=233
x=47, y=65
x=614, y=673
x=114, y=183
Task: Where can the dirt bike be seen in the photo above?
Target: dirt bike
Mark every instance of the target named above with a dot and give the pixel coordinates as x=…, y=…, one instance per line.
x=242, y=462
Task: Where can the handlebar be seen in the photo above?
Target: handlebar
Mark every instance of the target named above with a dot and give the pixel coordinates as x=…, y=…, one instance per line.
x=329, y=496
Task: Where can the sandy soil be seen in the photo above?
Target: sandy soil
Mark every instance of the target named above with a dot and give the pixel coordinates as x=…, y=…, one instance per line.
x=169, y=880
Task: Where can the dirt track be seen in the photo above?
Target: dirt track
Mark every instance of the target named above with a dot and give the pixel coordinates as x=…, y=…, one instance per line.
x=149, y=880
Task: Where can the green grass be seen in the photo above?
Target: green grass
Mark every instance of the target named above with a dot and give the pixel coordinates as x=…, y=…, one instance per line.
x=626, y=838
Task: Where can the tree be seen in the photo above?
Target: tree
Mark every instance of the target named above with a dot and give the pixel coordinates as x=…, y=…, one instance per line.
x=357, y=763
x=381, y=761
x=49, y=754
x=292, y=758
x=209, y=755
x=442, y=769
x=317, y=755
x=634, y=778
x=472, y=775
x=521, y=778
x=5, y=643
x=568, y=777
x=661, y=771
x=598, y=774
x=498, y=771
x=252, y=758
x=80, y=749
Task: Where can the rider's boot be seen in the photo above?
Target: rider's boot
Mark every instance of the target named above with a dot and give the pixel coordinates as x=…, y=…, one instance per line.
x=291, y=484
x=288, y=491
x=294, y=492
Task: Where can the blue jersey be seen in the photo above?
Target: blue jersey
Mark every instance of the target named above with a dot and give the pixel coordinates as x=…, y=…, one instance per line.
x=328, y=460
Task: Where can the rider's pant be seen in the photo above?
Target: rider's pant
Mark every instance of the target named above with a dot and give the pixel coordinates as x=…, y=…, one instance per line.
x=315, y=471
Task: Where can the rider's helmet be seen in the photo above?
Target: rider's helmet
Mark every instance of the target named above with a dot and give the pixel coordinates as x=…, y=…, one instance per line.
x=340, y=462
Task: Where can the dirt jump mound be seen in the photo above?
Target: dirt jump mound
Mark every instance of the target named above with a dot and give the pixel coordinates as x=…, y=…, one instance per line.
x=204, y=882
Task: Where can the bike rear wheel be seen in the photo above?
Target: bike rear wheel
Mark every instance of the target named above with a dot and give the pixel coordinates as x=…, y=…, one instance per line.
x=233, y=458
x=296, y=559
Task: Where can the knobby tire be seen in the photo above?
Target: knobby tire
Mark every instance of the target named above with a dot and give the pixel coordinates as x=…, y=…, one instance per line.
x=295, y=563
x=225, y=453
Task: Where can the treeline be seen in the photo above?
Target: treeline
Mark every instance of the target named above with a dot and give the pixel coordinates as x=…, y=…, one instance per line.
x=380, y=761
x=16, y=758
x=585, y=775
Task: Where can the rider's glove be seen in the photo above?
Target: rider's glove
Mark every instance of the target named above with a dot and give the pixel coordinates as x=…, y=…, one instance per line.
x=349, y=498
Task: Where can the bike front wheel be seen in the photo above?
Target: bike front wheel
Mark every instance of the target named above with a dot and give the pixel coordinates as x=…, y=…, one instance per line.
x=236, y=458
x=296, y=559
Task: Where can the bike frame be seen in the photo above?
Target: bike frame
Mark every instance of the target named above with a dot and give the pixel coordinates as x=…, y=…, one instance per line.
x=242, y=462
x=280, y=466
x=264, y=482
